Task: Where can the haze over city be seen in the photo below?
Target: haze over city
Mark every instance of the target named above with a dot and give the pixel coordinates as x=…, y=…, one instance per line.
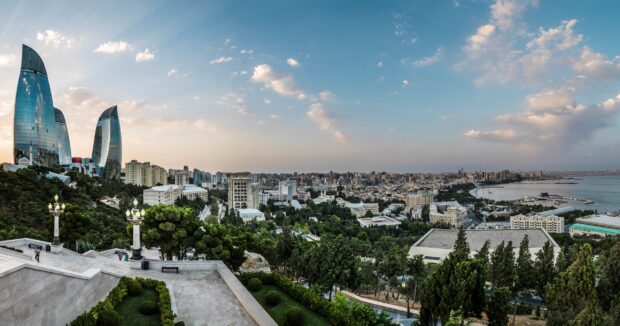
x=300, y=86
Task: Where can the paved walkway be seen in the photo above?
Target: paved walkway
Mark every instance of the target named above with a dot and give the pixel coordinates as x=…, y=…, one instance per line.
x=202, y=297
x=379, y=304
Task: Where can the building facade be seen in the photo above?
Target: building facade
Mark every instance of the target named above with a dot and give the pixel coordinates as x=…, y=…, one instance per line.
x=168, y=194
x=419, y=199
x=108, y=145
x=34, y=123
x=62, y=134
x=552, y=224
x=145, y=174
x=242, y=193
x=448, y=212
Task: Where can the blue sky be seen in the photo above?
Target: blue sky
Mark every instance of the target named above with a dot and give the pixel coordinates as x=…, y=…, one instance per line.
x=328, y=85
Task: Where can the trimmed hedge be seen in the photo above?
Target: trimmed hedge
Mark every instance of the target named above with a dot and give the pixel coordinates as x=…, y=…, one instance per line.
x=134, y=288
x=114, y=298
x=254, y=284
x=302, y=295
x=294, y=316
x=148, y=307
x=272, y=298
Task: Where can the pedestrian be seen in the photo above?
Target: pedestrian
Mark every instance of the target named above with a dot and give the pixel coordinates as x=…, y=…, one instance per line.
x=37, y=252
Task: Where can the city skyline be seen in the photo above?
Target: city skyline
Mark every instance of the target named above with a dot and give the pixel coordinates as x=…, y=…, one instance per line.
x=380, y=86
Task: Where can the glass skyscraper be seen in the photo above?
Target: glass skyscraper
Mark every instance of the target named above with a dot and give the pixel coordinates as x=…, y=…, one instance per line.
x=107, y=147
x=64, y=145
x=34, y=125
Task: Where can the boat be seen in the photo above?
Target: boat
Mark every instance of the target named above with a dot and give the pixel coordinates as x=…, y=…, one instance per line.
x=588, y=202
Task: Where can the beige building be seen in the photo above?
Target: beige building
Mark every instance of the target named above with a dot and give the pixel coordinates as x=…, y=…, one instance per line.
x=145, y=174
x=168, y=194
x=242, y=193
x=448, y=212
x=419, y=199
x=360, y=209
x=551, y=224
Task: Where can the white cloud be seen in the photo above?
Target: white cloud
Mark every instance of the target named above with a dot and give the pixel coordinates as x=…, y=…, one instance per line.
x=379, y=64
x=551, y=100
x=112, y=47
x=220, y=60
x=267, y=100
x=227, y=41
x=498, y=135
x=292, y=62
x=281, y=84
x=6, y=59
x=503, y=12
x=326, y=95
x=423, y=62
x=477, y=43
x=405, y=83
x=144, y=56
x=54, y=38
x=325, y=121
x=173, y=73
x=595, y=65
x=248, y=52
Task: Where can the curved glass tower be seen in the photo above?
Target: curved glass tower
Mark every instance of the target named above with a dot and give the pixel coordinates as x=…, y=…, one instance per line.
x=64, y=145
x=34, y=124
x=108, y=148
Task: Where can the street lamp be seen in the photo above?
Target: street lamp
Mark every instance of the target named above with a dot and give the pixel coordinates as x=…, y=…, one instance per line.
x=135, y=216
x=56, y=208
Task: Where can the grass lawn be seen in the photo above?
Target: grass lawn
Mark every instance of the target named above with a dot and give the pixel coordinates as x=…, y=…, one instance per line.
x=128, y=309
x=279, y=312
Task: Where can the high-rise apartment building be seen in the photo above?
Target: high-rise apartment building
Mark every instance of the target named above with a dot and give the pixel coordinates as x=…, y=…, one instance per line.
x=35, y=139
x=551, y=224
x=242, y=193
x=448, y=212
x=108, y=146
x=145, y=174
x=419, y=199
x=62, y=134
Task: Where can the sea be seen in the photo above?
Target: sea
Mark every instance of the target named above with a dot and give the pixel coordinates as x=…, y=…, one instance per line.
x=603, y=191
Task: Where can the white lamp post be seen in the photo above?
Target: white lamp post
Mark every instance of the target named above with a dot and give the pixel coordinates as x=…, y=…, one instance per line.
x=56, y=208
x=135, y=216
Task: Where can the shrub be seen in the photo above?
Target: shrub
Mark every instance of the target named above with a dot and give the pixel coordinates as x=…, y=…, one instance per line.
x=85, y=319
x=272, y=298
x=294, y=316
x=254, y=284
x=523, y=309
x=109, y=317
x=179, y=323
x=133, y=287
x=148, y=307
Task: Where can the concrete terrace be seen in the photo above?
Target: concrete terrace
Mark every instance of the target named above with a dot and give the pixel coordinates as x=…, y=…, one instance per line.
x=203, y=293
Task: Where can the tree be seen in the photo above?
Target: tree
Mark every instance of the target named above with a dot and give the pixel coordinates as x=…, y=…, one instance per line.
x=173, y=229
x=483, y=253
x=544, y=268
x=525, y=267
x=223, y=242
x=497, y=310
x=503, y=266
x=415, y=270
x=74, y=225
x=461, y=247
x=573, y=290
x=390, y=264
x=609, y=284
x=286, y=244
x=593, y=315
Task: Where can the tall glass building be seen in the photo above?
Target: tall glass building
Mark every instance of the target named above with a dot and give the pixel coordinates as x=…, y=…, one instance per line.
x=34, y=125
x=108, y=147
x=63, y=145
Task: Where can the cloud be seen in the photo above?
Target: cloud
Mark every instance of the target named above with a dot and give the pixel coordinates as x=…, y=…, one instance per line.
x=54, y=38
x=227, y=41
x=379, y=64
x=595, y=65
x=292, y=62
x=405, y=83
x=325, y=121
x=113, y=47
x=144, y=56
x=220, y=60
x=6, y=59
x=477, y=42
x=503, y=12
x=267, y=100
x=498, y=135
x=426, y=61
x=281, y=84
x=551, y=100
x=173, y=73
x=327, y=95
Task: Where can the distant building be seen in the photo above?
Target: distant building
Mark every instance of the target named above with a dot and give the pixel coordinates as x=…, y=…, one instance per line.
x=360, y=209
x=378, y=221
x=287, y=189
x=242, y=193
x=200, y=177
x=250, y=214
x=323, y=198
x=419, y=199
x=552, y=223
x=437, y=244
x=448, y=212
x=598, y=225
x=63, y=145
x=145, y=174
x=107, y=145
x=168, y=194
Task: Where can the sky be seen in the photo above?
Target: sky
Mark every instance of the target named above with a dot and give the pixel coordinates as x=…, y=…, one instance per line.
x=282, y=86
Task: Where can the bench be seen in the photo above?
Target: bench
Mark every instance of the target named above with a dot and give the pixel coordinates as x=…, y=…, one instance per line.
x=169, y=268
x=35, y=246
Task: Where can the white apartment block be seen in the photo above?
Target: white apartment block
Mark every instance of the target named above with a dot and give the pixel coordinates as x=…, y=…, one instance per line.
x=242, y=193
x=448, y=212
x=419, y=199
x=145, y=174
x=551, y=224
x=360, y=209
x=168, y=194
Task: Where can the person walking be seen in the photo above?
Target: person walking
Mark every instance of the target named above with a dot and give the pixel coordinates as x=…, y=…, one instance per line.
x=37, y=252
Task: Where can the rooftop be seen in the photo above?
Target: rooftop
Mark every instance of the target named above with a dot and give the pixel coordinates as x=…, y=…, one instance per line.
x=445, y=238
x=601, y=220
x=249, y=211
x=378, y=221
x=594, y=228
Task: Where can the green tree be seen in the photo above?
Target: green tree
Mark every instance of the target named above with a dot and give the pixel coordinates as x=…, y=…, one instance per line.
x=609, y=284
x=286, y=244
x=75, y=223
x=390, y=264
x=499, y=306
x=223, y=242
x=544, y=268
x=461, y=247
x=573, y=290
x=483, y=253
x=503, y=266
x=591, y=315
x=173, y=229
x=525, y=267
